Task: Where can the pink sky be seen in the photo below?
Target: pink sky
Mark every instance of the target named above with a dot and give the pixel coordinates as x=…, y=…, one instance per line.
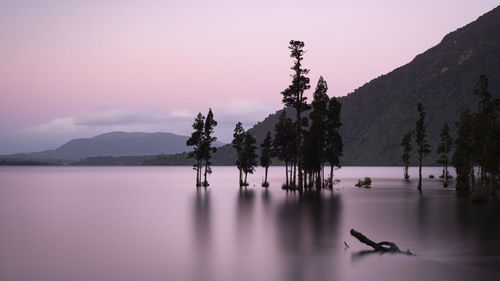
x=151, y=65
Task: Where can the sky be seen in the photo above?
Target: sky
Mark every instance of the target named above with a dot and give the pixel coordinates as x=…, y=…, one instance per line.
x=72, y=69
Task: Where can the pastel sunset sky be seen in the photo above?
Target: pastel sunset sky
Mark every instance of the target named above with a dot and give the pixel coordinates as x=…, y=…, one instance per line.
x=79, y=68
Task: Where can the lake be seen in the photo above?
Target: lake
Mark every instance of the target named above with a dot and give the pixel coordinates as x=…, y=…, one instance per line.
x=151, y=223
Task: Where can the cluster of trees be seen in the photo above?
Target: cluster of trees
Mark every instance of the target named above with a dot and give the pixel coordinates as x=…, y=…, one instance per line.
x=202, y=140
x=306, y=150
x=246, y=152
x=304, y=144
x=477, y=147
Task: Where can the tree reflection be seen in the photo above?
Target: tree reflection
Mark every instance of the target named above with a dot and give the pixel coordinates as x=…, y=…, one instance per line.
x=308, y=225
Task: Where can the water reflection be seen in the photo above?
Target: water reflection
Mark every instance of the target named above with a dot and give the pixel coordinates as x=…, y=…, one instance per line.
x=245, y=204
x=202, y=231
x=308, y=227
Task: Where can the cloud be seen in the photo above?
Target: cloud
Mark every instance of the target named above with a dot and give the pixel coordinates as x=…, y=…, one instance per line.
x=51, y=134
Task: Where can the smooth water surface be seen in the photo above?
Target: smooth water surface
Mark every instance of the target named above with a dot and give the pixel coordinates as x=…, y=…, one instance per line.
x=151, y=223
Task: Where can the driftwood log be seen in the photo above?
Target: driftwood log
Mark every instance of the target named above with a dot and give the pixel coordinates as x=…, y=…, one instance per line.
x=383, y=247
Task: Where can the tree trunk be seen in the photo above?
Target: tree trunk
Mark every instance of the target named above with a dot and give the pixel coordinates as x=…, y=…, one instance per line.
x=241, y=177
x=205, y=183
x=419, y=187
x=286, y=173
x=445, y=184
x=265, y=177
x=246, y=174
x=295, y=173
x=331, y=176
x=299, y=146
x=384, y=246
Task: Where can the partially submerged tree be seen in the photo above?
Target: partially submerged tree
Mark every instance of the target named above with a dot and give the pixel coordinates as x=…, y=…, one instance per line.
x=294, y=97
x=196, y=141
x=284, y=144
x=207, y=142
x=248, y=156
x=334, y=145
x=423, y=148
x=238, y=139
x=265, y=156
x=407, y=148
x=462, y=158
x=315, y=138
x=478, y=144
x=444, y=149
x=486, y=143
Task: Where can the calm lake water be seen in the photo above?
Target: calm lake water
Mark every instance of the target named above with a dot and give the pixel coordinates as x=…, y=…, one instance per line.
x=151, y=223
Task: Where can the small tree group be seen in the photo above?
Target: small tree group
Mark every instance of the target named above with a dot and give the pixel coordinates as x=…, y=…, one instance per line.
x=307, y=150
x=202, y=140
x=322, y=142
x=246, y=156
x=478, y=143
x=477, y=147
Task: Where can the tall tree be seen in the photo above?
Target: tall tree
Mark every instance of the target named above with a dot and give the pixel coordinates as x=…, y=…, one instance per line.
x=315, y=137
x=196, y=141
x=485, y=142
x=462, y=158
x=423, y=148
x=238, y=139
x=444, y=149
x=265, y=156
x=334, y=145
x=207, y=142
x=284, y=143
x=407, y=148
x=294, y=97
x=249, y=156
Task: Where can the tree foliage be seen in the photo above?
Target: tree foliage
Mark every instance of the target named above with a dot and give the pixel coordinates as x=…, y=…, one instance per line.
x=238, y=140
x=248, y=156
x=294, y=97
x=443, y=150
x=196, y=141
x=407, y=148
x=334, y=144
x=265, y=155
x=423, y=147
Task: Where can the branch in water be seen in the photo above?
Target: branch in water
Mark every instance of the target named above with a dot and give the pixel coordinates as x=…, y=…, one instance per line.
x=384, y=246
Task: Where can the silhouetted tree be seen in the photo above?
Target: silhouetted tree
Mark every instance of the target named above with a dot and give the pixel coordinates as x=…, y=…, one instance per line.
x=265, y=156
x=407, y=148
x=284, y=143
x=444, y=149
x=294, y=97
x=196, y=141
x=248, y=156
x=315, y=138
x=462, y=158
x=478, y=143
x=207, y=141
x=423, y=148
x=334, y=145
x=485, y=135
x=238, y=139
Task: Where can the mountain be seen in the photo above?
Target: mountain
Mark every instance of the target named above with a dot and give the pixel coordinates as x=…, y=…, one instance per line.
x=377, y=115
x=114, y=144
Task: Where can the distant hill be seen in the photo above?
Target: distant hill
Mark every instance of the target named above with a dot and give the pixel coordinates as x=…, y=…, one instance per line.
x=113, y=144
x=377, y=115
